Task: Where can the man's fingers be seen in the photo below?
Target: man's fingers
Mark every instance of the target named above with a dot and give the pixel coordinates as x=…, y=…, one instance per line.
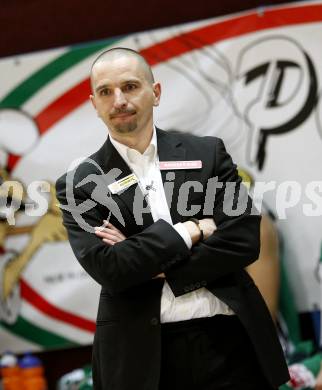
x=109, y=237
x=208, y=226
x=109, y=242
x=106, y=233
x=210, y=222
x=112, y=227
x=110, y=234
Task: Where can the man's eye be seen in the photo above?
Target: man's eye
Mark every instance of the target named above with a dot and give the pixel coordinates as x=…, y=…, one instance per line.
x=105, y=92
x=130, y=87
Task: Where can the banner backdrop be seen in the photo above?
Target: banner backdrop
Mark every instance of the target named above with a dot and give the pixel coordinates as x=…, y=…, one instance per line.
x=253, y=79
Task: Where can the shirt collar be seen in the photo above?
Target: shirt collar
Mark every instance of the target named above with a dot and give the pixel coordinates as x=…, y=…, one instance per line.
x=128, y=153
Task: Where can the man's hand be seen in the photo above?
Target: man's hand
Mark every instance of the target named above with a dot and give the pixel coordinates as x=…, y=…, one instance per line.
x=193, y=231
x=207, y=225
x=109, y=233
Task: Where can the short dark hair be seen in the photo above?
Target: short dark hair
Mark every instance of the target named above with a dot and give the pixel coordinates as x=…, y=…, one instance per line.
x=123, y=51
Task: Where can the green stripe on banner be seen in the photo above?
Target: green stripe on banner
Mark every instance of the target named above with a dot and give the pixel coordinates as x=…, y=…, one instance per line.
x=43, y=76
x=35, y=334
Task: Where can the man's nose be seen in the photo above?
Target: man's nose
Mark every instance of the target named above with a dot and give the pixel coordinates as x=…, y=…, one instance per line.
x=119, y=99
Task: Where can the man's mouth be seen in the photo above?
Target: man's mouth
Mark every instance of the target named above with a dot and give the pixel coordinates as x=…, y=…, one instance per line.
x=123, y=114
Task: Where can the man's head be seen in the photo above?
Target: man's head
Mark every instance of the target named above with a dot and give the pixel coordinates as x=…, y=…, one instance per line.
x=124, y=92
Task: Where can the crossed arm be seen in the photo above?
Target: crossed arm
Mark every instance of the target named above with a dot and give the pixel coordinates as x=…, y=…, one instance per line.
x=230, y=246
x=110, y=235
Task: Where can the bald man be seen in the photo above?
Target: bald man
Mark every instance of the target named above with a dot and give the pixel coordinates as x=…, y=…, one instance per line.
x=176, y=310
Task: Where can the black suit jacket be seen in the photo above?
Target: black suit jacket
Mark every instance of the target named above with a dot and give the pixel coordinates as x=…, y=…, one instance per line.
x=127, y=346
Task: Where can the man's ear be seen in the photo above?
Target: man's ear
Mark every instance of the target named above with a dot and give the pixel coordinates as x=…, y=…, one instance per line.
x=92, y=99
x=157, y=93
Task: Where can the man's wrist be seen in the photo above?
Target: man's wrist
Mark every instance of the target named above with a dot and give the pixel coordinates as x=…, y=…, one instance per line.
x=184, y=233
x=197, y=223
x=194, y=231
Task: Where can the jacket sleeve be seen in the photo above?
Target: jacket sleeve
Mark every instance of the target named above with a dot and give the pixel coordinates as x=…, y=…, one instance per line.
x=131, y=262
x=236, y=242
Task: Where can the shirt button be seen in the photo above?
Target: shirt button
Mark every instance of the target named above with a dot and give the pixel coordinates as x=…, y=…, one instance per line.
x=154, y=321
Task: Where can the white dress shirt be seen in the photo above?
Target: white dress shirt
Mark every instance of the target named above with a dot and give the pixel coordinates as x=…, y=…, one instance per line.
x=196, y=304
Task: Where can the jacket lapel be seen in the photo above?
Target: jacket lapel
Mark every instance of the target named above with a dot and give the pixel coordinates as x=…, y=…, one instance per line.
x=171, y=149
x=132, y=197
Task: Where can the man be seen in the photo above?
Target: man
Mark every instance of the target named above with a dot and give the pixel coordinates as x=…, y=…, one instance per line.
x=176, y=310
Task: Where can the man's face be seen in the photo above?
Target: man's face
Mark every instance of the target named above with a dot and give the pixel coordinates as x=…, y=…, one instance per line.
x=123, y=95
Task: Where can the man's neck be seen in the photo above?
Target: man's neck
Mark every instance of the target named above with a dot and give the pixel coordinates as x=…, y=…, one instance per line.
x=138, y=141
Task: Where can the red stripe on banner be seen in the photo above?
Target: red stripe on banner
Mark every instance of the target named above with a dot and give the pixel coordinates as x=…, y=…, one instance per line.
x=36, y=300
x=261, y=20
x=12, y=161
x=62, y=106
